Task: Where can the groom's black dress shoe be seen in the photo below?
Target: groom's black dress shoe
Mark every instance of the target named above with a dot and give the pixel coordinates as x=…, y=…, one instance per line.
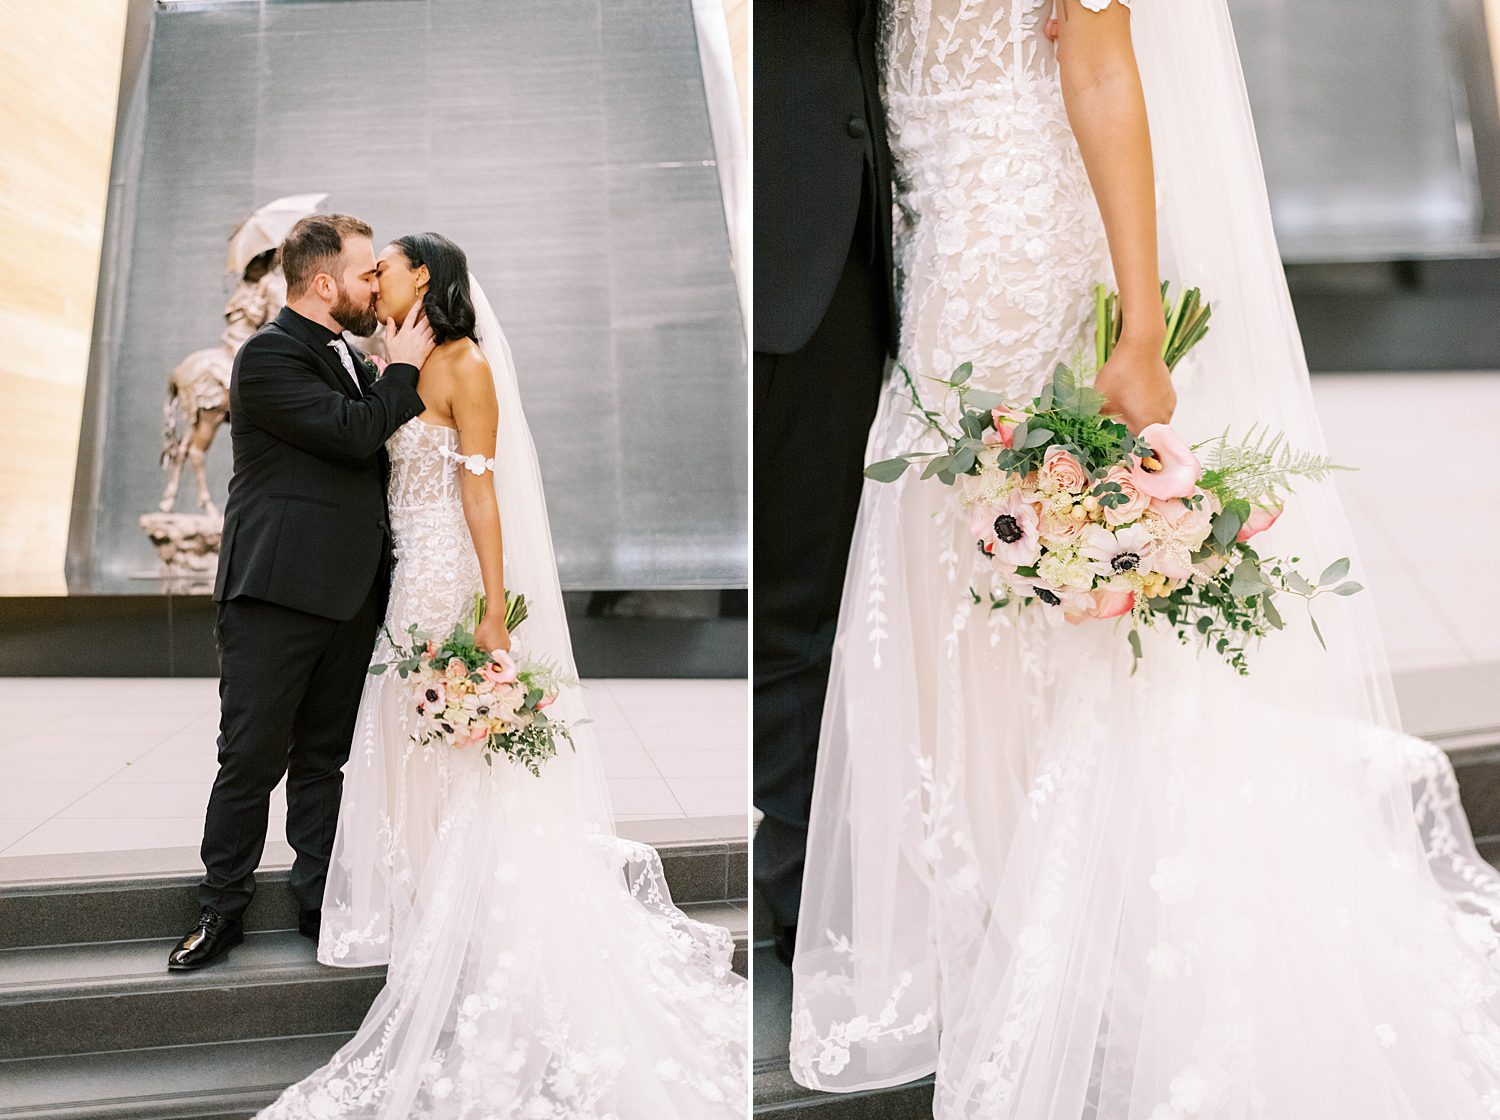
x=210, y=939
x=310, y=923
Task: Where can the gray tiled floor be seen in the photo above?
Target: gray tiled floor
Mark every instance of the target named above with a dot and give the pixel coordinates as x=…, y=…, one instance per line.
x=114, y=764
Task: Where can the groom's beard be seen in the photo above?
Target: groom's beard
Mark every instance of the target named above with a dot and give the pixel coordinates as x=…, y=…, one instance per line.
x=356, y=318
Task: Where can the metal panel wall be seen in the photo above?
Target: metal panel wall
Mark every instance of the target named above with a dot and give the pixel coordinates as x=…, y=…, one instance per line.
x=564, y=144
x=1369, y=114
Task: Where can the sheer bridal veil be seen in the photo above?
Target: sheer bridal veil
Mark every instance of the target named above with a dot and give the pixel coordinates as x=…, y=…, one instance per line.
x=530, y=562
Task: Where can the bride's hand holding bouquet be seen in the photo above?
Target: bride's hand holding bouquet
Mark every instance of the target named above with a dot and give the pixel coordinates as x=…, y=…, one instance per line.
x=469, y=691
x=1090, y=518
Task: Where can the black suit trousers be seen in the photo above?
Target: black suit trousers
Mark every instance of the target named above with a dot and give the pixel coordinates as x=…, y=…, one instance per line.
x=289, y=692
x=813, y=411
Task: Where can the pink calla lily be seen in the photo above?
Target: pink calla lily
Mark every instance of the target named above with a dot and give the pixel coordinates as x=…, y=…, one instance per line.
x=1104, y=604
x=1260, y=521
x=501, y=670
x=1179, y=471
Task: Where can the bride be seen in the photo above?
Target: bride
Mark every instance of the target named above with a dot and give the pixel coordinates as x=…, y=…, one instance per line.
x=1067, y=891
x=537, y=967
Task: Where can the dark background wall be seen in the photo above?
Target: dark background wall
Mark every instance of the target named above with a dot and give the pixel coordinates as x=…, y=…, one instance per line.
x=563, y=143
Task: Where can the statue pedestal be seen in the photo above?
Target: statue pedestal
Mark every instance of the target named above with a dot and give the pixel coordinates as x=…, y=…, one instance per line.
x=188, y=543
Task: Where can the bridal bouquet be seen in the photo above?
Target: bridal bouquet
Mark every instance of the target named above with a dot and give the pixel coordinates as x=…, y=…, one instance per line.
x=1077, y=516
x=466, y=696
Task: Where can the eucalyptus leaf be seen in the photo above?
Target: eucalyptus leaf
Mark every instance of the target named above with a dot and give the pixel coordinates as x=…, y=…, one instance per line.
x=1134, y=638
x=1349, y=587
x=982, y=399
x=887, y=470
x=1317, y=633
x=376, y=670
x=963, y=460
x=1037, y=436
x=941, y=463
x=1273, y=616
x=1334, y=572
x=1226, y=527
x=963, y=373
x=1247, y=581
x=1298, y=584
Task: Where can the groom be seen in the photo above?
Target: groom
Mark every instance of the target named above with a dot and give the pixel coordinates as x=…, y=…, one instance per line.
x=825, y=321
x=304, y=569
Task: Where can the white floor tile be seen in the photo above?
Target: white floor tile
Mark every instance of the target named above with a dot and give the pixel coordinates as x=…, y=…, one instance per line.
x=693, y=762
x=38, y=801
x=628, y=762
x=687, y=735
x=138, y=800
x=711, y=796
x=651, y=796
x=100, y=835
x=45, y=767
x=12, y=831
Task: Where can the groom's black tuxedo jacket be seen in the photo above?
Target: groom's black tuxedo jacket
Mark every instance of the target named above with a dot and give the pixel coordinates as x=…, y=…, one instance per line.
x=306, y=526
x=820, y=145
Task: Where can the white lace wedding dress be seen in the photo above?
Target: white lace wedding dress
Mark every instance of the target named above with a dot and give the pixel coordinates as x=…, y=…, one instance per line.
x=1069, y=892
x=538, y=968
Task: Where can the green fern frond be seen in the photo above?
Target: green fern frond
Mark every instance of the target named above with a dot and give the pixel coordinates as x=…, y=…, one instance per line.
x=1262, y=468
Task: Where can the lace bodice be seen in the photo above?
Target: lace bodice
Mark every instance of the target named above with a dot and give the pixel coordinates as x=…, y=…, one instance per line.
x=437, y=573
x=999, y=237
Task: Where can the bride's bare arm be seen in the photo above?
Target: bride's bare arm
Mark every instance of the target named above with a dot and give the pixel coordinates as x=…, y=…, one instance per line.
x=1106, y=107
x=476, y=415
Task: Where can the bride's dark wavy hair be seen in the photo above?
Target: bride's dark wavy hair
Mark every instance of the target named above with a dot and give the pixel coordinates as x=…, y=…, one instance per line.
x=447, y=302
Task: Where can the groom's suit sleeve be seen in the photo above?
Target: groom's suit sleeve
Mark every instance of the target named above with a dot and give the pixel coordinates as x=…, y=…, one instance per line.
x=279, y=393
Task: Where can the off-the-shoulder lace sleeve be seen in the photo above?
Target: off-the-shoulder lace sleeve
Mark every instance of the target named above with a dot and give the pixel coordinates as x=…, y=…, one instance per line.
x=1100, y=5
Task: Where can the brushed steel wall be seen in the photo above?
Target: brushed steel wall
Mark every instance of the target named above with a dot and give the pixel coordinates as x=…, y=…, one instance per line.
x=563, y=143
x=1375, y=121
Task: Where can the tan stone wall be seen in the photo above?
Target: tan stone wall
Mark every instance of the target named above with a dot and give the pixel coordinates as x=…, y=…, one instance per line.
x=1492, y=18
x=59, y=81
x=737, y=13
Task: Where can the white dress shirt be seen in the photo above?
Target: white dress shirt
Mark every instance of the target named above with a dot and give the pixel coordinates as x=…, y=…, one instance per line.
x=344, y=356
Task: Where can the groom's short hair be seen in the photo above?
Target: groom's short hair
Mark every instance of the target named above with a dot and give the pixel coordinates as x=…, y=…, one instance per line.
x=314, y=245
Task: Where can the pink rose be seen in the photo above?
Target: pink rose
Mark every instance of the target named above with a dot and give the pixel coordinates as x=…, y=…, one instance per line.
x=456, y=670
x=501, y=670
x=1060, y=527
x=546, y=701
x=1260, y=521
x=431, y=650
x=1175, y=471
x=1060, y=471
x=1190, y=526
x=1136, y=499
x=1103, y=603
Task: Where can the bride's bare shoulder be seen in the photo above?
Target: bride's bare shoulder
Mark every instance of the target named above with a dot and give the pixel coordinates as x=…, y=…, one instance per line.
x=462, y=366
x=460, y=359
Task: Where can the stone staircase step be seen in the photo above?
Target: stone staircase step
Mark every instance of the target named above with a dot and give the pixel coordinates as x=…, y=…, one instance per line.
x=53, y=999
x=59, y=910
x=778, y=1096
x=206, y=1081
